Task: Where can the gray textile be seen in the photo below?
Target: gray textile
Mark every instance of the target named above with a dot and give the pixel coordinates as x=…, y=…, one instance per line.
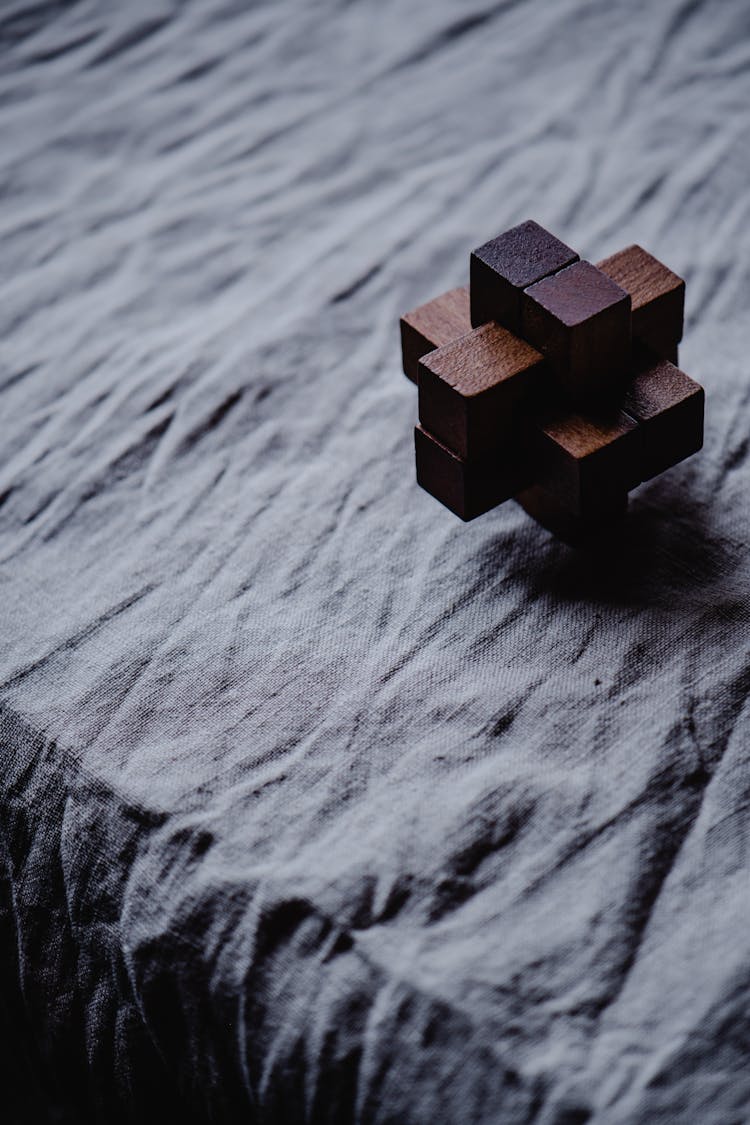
x=317, y=805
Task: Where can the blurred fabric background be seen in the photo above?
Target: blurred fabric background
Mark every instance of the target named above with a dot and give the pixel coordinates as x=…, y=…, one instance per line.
x=317, y=805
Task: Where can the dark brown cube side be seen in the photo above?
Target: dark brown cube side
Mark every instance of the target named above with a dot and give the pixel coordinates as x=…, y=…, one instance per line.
x=433, y=325
x=468, y=488
x=469, y=389
x=669, y=407
x=657, y=295
x=586, y=461
x=580, y=319
x=575, y=530
x=502, y=268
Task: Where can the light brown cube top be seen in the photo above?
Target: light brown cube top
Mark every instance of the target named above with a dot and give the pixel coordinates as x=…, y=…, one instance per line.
x=485, y=358
x=582, y=435
x=443, y=319
x=641, y=275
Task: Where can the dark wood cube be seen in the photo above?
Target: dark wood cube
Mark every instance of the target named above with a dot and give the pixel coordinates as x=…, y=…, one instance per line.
x=468, y=488
x=469, y=389
x=502, y=268
x=580, y=319
x=575, y=530
x=669, y=407
x=657, y=295
x=586, y=461
x=432, y=325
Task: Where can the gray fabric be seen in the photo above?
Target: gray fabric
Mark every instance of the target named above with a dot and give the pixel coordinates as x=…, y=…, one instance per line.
x=316, y=804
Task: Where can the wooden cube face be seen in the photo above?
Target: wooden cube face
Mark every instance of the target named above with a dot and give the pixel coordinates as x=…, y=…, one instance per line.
x=575, y=530
x=669, y=407
x=657, y=295
x=468, y=488
x=580, y=319
x=502, y=268
x=433, y=325
x=469, y=389
x=585, y=461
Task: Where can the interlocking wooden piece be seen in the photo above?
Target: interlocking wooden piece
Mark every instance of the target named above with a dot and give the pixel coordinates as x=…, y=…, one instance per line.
x=669, y=407
x=501, y=269
x=570, y=433
x=586, y=461
x=468, y=488
x=445, y=318
x=657, y=295
x=469, y=389
x=576, y=530
x=431, y=325
x=580, y=319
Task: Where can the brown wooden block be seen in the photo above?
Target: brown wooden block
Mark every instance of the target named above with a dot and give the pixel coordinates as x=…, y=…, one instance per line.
x=468, y=389
x=586, y=461
x=580, y=319
x=500, y=270
x=575, y=530
x=467, y=488
x=433, y=325
x=657, y=295
x=669, y=406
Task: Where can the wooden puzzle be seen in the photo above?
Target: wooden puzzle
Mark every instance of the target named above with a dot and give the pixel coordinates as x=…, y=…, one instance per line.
x=551, y=380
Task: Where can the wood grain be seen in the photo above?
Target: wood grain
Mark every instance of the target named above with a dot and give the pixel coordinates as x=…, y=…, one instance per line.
x=470, y=389
x=580, y=319
x=586, y=460
x=657, y=295
x=467, y=488
x=669, y=407
x=493, y=425
x=503, y=267
x=431, y=326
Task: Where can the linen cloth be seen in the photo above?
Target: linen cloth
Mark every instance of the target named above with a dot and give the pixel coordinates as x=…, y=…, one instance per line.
x=317, y=805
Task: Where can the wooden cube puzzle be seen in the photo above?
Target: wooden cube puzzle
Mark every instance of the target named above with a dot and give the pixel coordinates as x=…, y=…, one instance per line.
x=552, y=381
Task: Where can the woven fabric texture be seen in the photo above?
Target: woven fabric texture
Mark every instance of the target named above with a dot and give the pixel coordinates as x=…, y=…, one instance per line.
x=317, y=805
